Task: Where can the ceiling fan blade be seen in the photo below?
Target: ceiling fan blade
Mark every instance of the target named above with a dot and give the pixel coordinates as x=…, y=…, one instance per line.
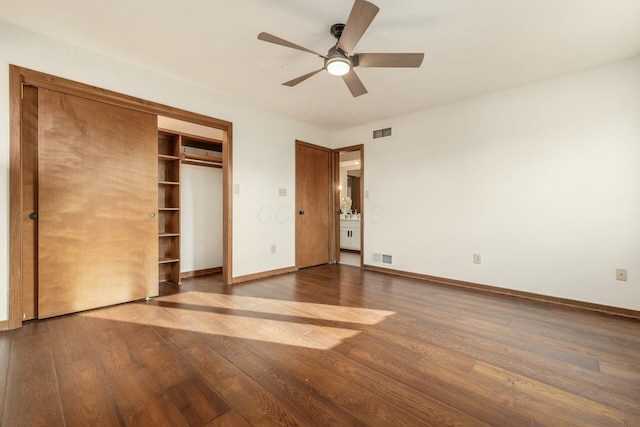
x=266, y=37
x=292, y=83
x=389, y=59
x=354, y=84
x=360, y=18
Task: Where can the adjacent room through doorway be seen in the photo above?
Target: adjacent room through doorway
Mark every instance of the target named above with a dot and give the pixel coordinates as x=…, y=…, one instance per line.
x=350, y=206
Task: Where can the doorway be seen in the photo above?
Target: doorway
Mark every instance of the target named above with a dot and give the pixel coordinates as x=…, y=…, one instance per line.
x=348, y=164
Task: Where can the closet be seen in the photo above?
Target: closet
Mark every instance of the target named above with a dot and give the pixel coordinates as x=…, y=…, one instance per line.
x=95, y=197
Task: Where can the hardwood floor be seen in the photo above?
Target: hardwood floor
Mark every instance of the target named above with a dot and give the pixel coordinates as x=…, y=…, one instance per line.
x=329, y=345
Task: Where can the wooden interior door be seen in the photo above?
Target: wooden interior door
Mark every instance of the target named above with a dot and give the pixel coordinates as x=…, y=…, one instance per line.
x=97, y=201
x=313, y=205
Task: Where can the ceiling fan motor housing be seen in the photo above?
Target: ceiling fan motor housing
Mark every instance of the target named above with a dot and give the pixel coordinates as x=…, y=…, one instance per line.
x=336, y=30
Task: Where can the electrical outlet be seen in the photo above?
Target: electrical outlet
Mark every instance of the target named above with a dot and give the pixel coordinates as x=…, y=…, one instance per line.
x=366, y=194
x=273, y=249
x=236, y=188
x=621, y=274
x=477, y=259
x=282, y=192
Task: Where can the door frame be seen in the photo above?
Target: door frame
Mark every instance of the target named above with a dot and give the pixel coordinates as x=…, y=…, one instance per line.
x=19, y=76
x=336, y=200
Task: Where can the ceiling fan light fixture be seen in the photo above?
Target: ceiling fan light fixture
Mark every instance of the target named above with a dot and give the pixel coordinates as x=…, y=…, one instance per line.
x=338, y=66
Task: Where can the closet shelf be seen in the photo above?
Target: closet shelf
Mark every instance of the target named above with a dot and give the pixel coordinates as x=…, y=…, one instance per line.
x=168, y=157
x=168, y=183
x=165, y=260
x=168, y=209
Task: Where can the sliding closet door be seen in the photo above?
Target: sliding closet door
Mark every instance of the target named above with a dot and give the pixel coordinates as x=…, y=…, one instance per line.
x=97, y=199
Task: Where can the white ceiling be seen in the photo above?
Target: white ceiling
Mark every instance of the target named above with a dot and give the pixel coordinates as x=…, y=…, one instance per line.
x=471, y=47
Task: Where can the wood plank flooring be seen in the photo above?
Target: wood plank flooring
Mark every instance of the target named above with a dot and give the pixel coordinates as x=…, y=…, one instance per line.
x=326, y=346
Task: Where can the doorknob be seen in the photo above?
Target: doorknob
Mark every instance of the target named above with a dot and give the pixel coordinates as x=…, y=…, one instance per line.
x=301, y=212
x=33, y=216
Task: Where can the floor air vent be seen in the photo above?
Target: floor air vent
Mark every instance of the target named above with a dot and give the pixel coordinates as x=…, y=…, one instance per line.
x=385, y=259
x=381, y=133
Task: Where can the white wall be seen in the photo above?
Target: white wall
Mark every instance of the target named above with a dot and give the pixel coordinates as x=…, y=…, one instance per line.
x=200, y=218
x=542, y=180
x=263, y=145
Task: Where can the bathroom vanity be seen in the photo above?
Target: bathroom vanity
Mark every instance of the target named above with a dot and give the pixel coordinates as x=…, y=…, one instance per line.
x=350, y=233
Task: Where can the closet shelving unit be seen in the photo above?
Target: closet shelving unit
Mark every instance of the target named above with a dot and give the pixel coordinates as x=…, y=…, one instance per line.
x=170, y=156
x=169, y=144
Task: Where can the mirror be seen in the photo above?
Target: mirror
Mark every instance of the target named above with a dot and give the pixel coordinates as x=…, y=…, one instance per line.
x=350, y=175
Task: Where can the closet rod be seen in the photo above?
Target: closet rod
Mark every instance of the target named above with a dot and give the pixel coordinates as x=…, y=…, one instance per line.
x=199, y=160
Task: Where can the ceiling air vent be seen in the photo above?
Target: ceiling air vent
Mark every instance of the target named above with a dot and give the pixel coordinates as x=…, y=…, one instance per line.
x=381, y=133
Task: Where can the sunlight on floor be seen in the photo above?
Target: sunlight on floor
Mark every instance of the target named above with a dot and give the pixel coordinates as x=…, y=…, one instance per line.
x=302, y=324
x=334, y=313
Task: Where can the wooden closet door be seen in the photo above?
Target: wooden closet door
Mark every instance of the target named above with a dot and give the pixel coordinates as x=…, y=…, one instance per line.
x=97, y=199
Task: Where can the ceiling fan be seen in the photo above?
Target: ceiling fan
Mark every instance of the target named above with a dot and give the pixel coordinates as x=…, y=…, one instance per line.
x=340, y=60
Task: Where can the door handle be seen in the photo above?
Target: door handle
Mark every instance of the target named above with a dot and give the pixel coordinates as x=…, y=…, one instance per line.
x=301, y=212
x=33, y=216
